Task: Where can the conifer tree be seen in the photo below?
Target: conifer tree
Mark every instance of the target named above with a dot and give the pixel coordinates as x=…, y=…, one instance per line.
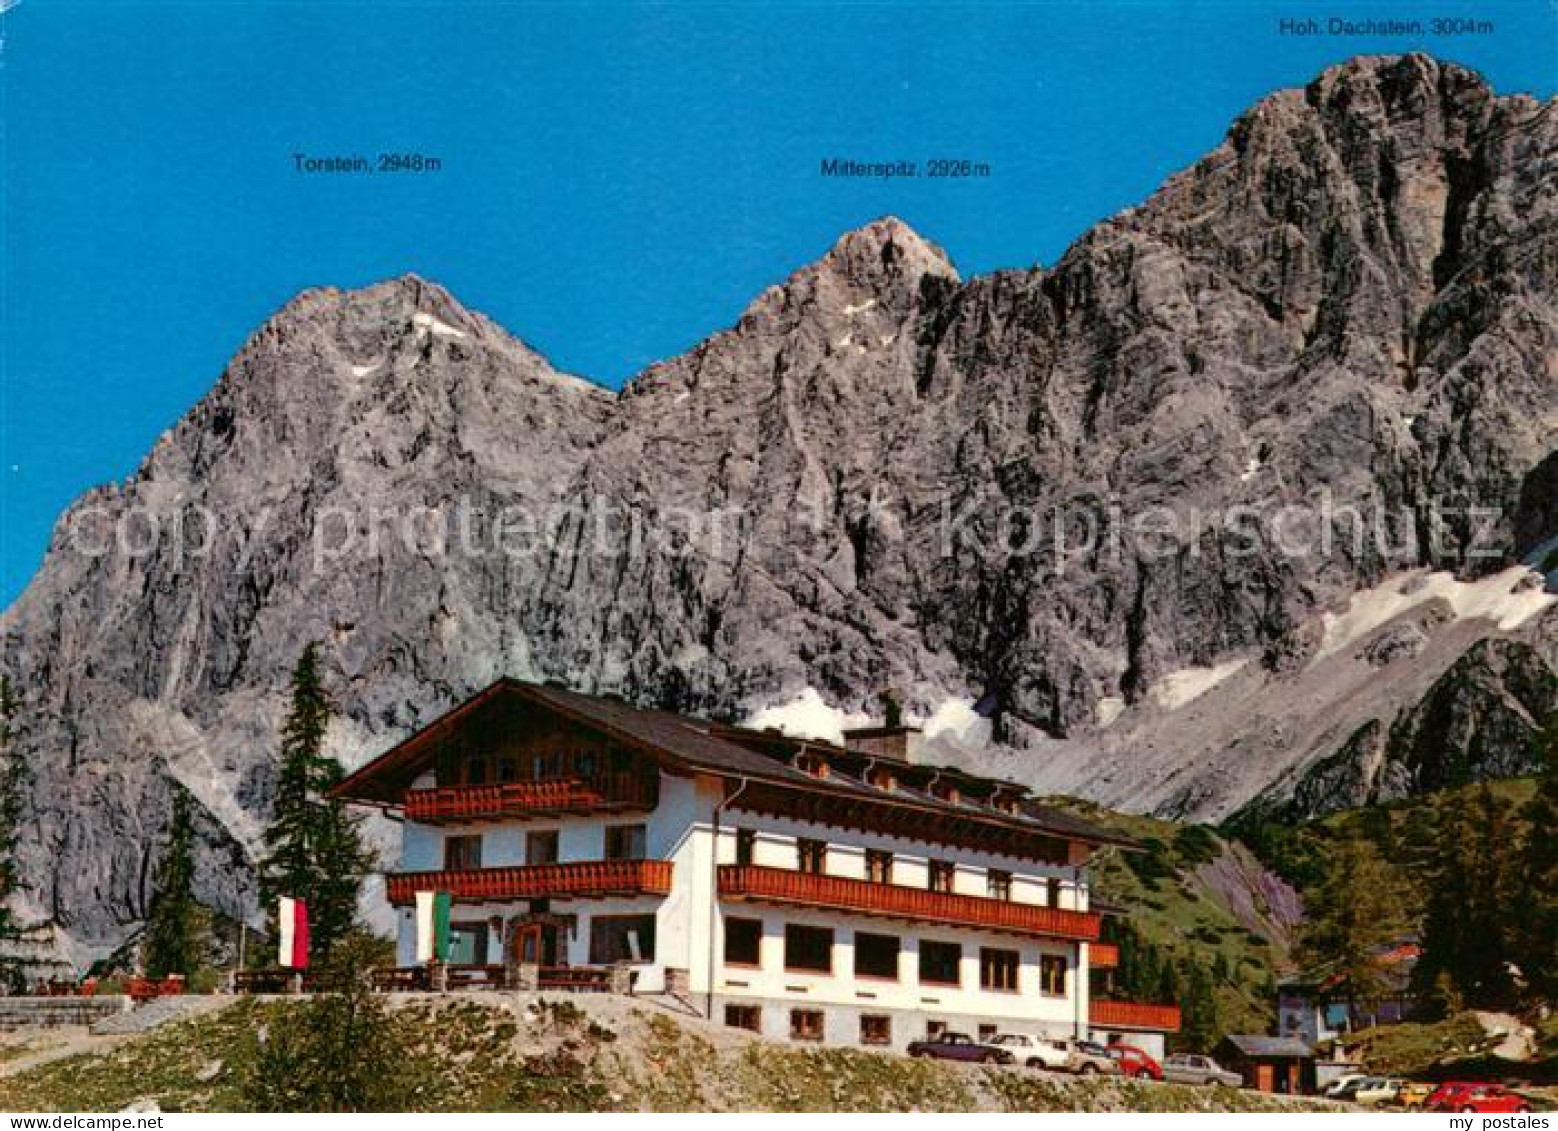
x=1200, y=1021
x=1468, y=945
x=313, y=846
x=1536, y=929
x=1352, y=914
x=176, y=924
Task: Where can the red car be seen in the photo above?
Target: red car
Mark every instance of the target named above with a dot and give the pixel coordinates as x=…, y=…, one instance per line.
x=1484, y=1099
x=1135, y=1062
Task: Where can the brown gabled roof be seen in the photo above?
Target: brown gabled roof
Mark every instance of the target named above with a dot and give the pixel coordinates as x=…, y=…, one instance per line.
x=685, y=744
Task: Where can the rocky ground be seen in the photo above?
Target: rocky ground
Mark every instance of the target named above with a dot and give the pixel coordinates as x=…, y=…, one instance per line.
x=584, y=1053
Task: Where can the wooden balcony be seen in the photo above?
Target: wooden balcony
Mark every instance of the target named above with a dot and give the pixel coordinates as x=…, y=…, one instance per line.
x=546, y=797
x=1133, y=1016
x=778, y=885
x=586, y=879
x=1103, y=956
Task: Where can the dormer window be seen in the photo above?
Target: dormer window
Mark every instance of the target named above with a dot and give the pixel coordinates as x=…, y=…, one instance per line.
x=946, y=791
x=1005, y=802
x=882, y=778
x=812, y=764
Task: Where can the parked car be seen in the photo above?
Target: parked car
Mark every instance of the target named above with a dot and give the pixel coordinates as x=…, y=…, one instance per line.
x=960, y=1046
x=1089, y=1058
x=1036, y=1052
x=1344, y=1087
x=1191, y=1068
x=1378, y=1090
x=1486, y=1099
x=1447, y=1095
x=1136, y=1062
x=1412, y=1095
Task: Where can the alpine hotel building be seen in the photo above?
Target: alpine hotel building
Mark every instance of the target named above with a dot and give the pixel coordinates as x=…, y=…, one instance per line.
x=846, y=894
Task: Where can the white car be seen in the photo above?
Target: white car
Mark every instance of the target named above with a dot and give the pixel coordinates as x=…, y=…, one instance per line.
x=1378, y=1090
x=1035, y=1052
x=1347, y=1084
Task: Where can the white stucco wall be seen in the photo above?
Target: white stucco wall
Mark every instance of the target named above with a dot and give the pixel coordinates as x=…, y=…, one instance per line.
x=689, y=921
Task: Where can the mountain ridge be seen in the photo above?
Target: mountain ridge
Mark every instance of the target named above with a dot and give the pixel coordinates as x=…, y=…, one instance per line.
x=1352, y=294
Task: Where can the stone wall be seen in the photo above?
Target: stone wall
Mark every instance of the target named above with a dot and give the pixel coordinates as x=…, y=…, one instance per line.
x=51, y=1012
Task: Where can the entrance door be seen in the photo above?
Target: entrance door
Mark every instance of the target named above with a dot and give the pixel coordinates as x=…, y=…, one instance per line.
x=535, y=944
x=1265, y=1078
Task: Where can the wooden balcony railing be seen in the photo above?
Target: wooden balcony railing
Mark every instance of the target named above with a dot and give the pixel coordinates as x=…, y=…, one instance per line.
x=543, y=797
x=1133, y=1015
x=779, y=885
x=538, y=881
x=1103, y=956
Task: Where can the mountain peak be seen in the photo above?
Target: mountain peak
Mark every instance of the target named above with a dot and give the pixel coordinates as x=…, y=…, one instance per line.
x=886, y=247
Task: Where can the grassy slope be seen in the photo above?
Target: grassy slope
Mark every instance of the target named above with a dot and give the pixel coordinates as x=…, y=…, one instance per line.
x=1195, y=895
x=499, y=1053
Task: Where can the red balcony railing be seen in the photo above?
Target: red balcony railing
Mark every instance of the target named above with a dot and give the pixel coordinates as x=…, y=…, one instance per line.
x=538, y=881
x=778, y=885
x=1103, y=956
x=1133, y=1015
x=532, y=798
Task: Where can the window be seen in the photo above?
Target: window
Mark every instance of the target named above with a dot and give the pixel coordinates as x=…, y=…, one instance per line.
x=879, y=866
x=998, y=969
x=467, y=944
x=476, y=771
x=876, y=956
x=541, y=847
x=939, y=962
x=1052, y=975
x=749, y=1017
x=941, y=874
x=812, y=856
x=934, y=1029
x=624, y=842
x=743, y=942
x=987, y=1033
x=998, y=884
x=462, y=852
x=622, y=938
x=1052, y=891
x=806, y=1024
x=808, y=948
x=507, y=770
x=882, y=778
x=746, y=846
x=876, y=1029
x=813, y=765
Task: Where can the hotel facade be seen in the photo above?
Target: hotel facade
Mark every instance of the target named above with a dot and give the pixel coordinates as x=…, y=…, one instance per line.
x=845, y=894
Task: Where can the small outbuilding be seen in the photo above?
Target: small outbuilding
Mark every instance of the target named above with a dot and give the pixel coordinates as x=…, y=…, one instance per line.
x=1270, y=1064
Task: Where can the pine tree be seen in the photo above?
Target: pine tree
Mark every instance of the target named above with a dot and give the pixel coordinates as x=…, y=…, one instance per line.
x=1536, y=929
x=313, y=846
x=1353, y=914
x=1200, y=1025
x=176, y=924
x=1468, y=944
x=13, y=775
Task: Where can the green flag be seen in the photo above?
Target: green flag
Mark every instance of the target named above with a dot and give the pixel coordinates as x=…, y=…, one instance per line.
x=441, y=904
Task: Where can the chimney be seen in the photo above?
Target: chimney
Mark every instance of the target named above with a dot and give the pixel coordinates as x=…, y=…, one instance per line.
x=899, y=743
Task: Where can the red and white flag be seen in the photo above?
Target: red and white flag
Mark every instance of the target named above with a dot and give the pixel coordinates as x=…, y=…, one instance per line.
x=292, y=918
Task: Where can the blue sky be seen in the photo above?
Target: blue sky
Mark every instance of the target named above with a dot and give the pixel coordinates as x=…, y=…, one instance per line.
x=617, y=181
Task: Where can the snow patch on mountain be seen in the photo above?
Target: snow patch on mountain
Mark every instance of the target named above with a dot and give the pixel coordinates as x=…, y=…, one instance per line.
x=1508, y=599
x=808, y=715
x=1188, y=684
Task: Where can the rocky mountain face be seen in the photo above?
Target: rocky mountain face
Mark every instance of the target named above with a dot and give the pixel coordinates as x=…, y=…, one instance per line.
x=1479, y=720
x=1097, y=522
